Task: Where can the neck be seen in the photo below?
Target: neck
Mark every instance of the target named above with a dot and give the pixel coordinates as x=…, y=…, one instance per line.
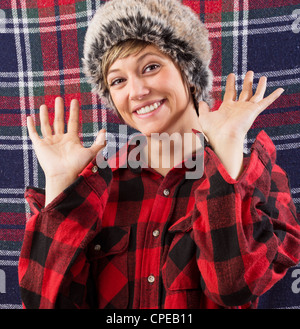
x=170, y=148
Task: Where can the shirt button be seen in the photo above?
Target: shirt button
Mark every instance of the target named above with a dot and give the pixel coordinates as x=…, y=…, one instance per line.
x=151, y=278
x=94, y=169
x=156, y=233
x=97, y=247
x=166, y=192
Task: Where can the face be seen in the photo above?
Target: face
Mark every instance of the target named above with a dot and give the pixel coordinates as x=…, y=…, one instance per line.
x=149, y=93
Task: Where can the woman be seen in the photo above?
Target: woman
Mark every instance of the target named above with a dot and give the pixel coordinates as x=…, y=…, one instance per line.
x=123, y=237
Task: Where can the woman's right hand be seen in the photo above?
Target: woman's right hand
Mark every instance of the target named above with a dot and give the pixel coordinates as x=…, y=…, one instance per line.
x=61, y=155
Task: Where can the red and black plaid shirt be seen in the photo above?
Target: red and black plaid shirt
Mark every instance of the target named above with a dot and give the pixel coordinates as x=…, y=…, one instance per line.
x=131, y=238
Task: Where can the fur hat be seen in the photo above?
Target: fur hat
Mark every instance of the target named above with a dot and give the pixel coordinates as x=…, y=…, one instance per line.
x=173, y=27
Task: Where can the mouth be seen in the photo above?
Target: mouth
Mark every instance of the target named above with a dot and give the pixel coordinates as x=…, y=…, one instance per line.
x=149, y=108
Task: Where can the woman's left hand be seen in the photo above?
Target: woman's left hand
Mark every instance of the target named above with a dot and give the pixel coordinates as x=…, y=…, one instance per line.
x=226, y=128
x=235, y=117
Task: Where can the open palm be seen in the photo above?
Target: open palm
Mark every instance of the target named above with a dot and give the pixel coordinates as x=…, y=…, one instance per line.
x=62, y=154
x=235, y=117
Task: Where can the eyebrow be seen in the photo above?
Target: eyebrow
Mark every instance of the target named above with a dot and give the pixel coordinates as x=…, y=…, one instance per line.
x=138, y=60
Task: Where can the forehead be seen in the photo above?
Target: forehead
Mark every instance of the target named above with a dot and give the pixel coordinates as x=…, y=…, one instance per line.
x=139, y=56
x=151, y=49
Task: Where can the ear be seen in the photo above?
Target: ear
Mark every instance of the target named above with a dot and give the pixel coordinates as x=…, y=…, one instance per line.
x=193, y=90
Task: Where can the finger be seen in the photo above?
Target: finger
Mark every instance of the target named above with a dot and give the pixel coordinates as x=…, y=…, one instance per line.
x=99, y=143
x=230, y=91
x=44, y=119
x=264, y=103
x=59, y=123
x=33, y=134
x=247, y=92
x=260, y=90
x=73, y=123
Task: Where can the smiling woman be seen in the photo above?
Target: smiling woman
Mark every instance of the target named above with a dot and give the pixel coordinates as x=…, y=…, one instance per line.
x=149, y=92
x=148, y=236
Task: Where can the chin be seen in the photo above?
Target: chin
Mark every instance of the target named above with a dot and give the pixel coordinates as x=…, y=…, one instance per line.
x=148, y=132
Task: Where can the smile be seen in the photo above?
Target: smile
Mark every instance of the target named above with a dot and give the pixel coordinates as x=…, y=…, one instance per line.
x=149, y=108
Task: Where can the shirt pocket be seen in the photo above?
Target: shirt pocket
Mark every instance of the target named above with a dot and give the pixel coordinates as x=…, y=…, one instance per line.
x=181, y=269
x=108, y=255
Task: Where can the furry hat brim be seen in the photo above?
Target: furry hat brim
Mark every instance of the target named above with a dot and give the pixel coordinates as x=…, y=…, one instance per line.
x=173, y=27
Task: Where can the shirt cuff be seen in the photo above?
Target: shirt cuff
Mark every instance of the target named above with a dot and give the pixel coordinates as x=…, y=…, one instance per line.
x=92, y=178
x=263, y=155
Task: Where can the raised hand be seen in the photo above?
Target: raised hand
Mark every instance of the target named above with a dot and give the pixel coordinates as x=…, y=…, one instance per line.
x=235, y=117
x=61, y=155
x=227, y=127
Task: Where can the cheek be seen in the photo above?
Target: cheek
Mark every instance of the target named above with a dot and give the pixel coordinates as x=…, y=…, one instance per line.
x=121, y=106
x=118, y=101
x=168, y=80
x=173, y=82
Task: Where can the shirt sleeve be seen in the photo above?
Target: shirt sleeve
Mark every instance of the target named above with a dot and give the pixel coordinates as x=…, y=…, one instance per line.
x=55, y=238
x=246, y=230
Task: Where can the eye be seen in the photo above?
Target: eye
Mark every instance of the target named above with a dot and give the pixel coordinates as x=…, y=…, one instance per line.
x=151, y=67
x=116, y=82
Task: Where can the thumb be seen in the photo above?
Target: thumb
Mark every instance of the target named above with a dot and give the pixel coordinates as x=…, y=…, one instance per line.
x=100, y=142
x=203, y=108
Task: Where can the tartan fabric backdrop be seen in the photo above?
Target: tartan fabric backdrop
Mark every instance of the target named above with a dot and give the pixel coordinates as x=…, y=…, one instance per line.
x=40, y=58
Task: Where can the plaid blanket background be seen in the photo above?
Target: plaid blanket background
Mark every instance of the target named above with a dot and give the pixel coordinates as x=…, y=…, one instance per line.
x=41, y=45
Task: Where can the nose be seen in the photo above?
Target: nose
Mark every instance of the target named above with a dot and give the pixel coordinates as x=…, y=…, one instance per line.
x=137, y=88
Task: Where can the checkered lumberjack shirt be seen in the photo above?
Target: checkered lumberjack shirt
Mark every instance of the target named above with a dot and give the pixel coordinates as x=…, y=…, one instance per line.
x=125, y=238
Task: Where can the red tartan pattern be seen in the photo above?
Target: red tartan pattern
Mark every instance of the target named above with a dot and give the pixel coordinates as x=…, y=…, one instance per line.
x=245, y=35
x=221, y=242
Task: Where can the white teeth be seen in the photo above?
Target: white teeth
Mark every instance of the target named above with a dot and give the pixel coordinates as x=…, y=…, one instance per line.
x=148, y=109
